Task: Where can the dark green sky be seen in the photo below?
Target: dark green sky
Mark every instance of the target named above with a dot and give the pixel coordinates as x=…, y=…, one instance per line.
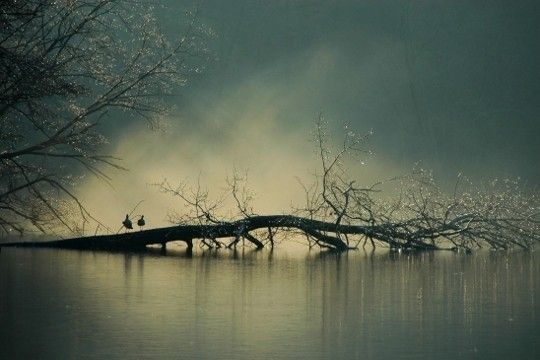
x=454, y=84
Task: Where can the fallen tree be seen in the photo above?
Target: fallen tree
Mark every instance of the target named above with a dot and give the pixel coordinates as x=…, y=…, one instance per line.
x=212, y=235
x=340, y=215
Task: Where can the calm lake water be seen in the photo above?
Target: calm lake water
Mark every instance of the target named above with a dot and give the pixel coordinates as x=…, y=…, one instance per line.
x=64, y=304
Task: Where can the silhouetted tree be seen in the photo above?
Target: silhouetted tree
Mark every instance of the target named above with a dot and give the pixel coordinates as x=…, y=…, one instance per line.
x=340, y=214
x=66, y=67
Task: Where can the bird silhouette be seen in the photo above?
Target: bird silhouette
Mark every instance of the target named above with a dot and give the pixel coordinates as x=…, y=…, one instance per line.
x=127, y=223
x=141, y=222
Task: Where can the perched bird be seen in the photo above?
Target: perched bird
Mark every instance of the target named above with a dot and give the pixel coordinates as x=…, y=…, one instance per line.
x=127, y=223
x=141, y=222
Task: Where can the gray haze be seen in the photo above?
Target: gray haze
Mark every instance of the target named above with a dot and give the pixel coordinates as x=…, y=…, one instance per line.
x=452, y=84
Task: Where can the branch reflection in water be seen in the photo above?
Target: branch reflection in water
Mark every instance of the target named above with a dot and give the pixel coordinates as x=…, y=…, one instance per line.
x=246, y=304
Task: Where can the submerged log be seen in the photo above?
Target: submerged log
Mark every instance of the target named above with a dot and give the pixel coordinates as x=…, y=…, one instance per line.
x=188, y=233
x=325, y=234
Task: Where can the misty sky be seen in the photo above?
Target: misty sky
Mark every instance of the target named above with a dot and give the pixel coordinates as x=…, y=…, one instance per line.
x=453, y=84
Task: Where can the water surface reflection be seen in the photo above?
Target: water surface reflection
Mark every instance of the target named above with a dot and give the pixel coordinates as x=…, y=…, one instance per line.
x=64, y=304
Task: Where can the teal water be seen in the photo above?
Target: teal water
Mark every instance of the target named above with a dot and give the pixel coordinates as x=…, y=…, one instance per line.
x=64, y=304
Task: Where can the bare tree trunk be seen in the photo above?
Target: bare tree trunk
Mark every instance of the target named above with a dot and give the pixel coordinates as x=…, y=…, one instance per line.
x=324, y=234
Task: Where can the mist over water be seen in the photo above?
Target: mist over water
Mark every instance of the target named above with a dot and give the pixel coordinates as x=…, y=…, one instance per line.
x=453, y=86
